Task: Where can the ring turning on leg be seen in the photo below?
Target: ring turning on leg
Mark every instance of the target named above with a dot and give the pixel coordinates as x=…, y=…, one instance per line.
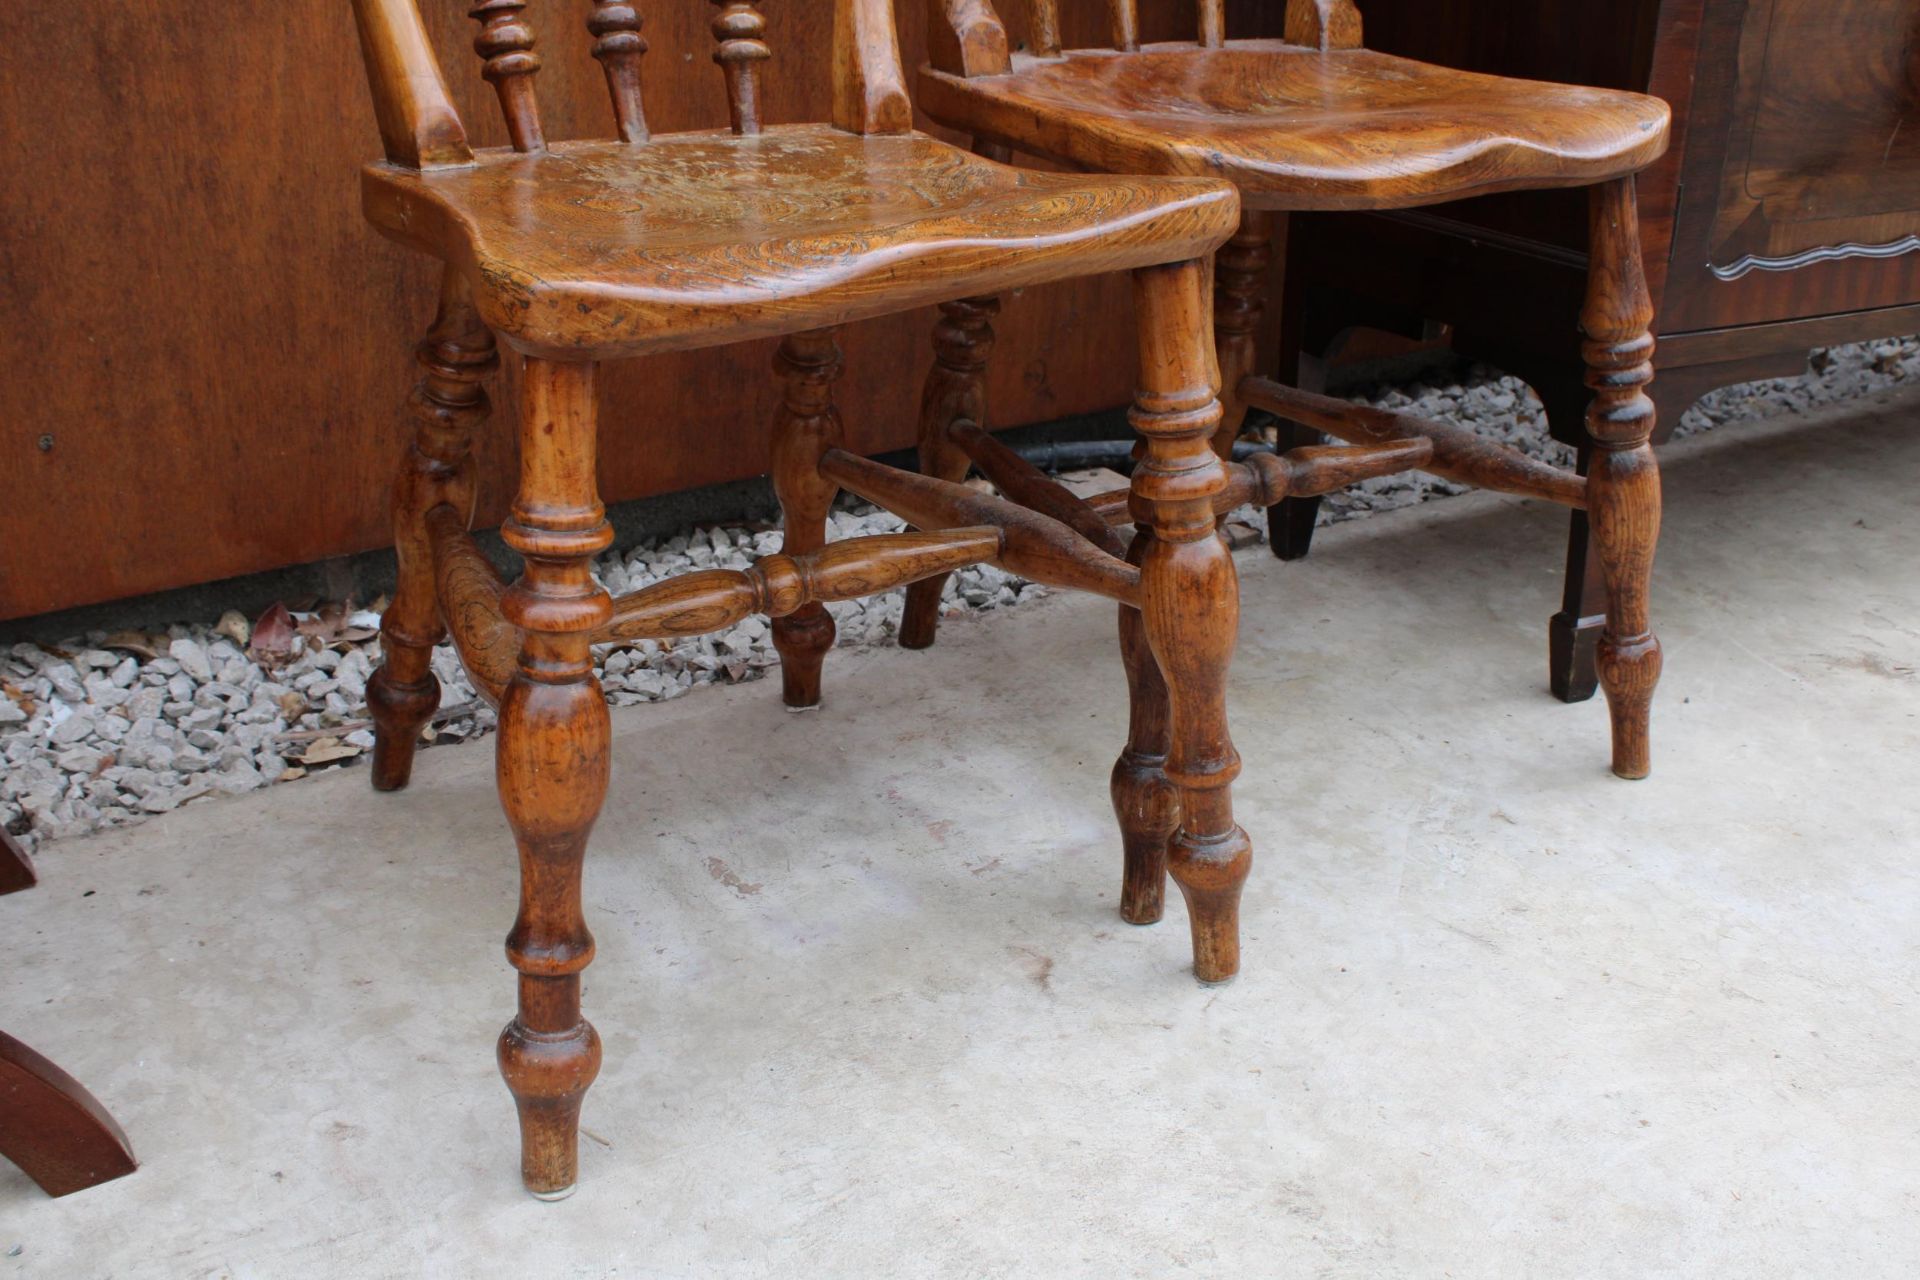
x=552, y=764
x=448, y=405
x=808, y=425
x=1623, y=480
x=1190, y=602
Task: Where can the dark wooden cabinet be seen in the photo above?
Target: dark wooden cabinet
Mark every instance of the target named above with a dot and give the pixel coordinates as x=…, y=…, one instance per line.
x=1786, y=216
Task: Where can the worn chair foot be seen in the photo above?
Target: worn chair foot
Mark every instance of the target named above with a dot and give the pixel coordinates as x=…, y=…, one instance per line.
x=400, y=710
x=1211, y=875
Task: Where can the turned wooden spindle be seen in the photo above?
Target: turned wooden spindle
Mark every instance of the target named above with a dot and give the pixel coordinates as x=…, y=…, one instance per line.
x=448, y=406
x=739, y=28
x=1043, y=28
x=619, y=46
x=1190, y=602
x=1623, y=480
x=1124, y=16
x=1213, y=23
x=506, y=43
x=1239, y=300
x=1323, y=24
x=806, y=426
x=552, y=763
x=956, y=390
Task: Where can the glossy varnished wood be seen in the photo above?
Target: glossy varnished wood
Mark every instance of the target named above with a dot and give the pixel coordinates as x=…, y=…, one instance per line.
x=576, y=253
x=56, y=1132
x=1301, y=129
x=16, y=868
x=604, y=250
x=198, y=199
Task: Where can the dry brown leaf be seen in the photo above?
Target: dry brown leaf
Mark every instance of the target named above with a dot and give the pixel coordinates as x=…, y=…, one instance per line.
x=293, y=705
x=290, y=773
x=137, y=643
x=328, y=750
x=273, y=640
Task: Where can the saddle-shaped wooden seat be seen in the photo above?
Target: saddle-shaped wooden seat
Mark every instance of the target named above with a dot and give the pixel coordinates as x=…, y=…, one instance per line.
x=604, y=249
x=1334, y=129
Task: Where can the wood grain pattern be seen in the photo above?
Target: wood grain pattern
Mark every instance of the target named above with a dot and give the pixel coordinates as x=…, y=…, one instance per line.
x=618, y=45
x=553, y=764
x=587, y=251
x=1623, y=479
x=807, y=426
x=1190, y=603
x=1297, y=129
x=956, y=389
x=506, y=45
x=580, y=252
x=1324, y=24
x=449, y=404
x=109, y=228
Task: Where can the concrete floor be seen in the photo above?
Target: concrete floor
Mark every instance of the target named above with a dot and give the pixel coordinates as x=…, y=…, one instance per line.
x=868, y=1011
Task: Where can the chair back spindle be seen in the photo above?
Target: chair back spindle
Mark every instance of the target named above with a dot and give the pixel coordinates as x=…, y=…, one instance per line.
x=1323, y=24
x=739, y=28
x=869, y=83
x=1213, y=23
x=1043, y=28
x=618, y=45
x=419, y=127
x=1125, y=16
x=505, y=43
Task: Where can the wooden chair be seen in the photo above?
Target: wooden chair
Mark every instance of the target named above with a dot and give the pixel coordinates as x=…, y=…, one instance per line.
x=1316, y=122
x=583, y=252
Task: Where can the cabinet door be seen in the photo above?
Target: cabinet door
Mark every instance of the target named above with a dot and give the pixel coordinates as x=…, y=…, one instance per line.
x=1802, y=171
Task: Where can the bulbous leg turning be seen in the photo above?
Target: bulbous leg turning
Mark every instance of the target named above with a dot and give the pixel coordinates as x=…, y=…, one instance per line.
x=1190, y=603
x=808, y=425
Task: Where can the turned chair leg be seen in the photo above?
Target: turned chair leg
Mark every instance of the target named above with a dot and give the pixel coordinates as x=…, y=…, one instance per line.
x=1143, y=799
x=1623, y=480
x=1190, y=602
x=807, y=426
x=552, y=764
x=956, y=390
x=1239, y=299
x=448, y=404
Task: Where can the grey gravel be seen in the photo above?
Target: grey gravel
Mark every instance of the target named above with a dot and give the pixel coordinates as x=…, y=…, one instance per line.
x=93, y=736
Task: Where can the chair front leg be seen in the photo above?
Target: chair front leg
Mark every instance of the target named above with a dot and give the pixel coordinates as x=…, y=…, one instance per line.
x=956, y=389
x=1623, y=479
x=552, y=764
x=1190, y=602
x=448, y=405
x=807, y=426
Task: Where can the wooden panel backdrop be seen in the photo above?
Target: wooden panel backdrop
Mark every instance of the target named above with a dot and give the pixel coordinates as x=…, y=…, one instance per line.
x=207, y=349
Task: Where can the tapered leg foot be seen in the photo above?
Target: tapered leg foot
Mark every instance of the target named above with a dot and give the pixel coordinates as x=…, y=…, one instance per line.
x=1190, y=605
x=807, y=426
x=956, y=390
x=1211, y=873
x=400, y=710
x=1623, y=480
x=552, y=764
x=802, y=639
